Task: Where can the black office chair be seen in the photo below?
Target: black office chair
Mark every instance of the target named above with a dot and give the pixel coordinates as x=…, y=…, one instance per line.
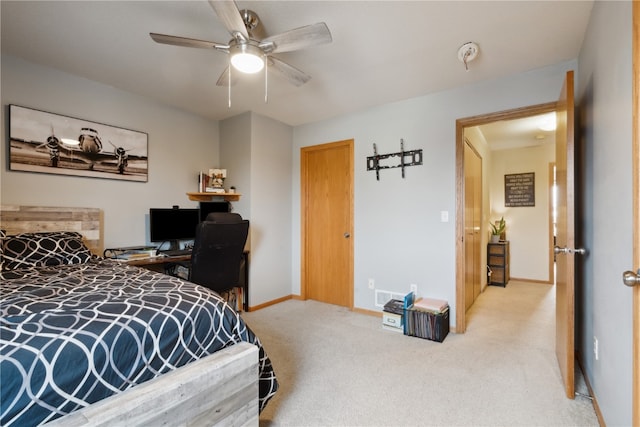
x=224, y=217
x=217, y=254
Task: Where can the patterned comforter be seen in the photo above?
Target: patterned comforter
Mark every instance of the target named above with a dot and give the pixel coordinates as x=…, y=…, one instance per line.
x=71, y=335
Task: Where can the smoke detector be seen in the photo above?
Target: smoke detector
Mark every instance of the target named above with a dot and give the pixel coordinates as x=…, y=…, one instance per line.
x=468, y=53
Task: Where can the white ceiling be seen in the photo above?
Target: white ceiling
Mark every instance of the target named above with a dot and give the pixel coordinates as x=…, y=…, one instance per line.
x=519, y=133
x=382, y=51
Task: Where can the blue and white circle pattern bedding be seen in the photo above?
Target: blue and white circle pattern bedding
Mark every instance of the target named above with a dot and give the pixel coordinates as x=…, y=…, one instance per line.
x=71, y=335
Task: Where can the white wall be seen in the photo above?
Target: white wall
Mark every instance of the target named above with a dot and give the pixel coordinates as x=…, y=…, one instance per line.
x=399, y=238
x=257, y=152
x=271, y=170
x=604, y=305
x=527, y=227
x=180, y=145
x=235, y=156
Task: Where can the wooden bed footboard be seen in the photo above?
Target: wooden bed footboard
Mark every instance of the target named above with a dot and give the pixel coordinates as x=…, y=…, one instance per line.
x=220, y=389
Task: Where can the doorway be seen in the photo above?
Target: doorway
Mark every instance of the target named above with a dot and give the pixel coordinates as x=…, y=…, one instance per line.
x=461, y=261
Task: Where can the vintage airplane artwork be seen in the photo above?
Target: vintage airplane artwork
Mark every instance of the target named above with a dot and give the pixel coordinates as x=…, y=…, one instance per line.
x=50, y=143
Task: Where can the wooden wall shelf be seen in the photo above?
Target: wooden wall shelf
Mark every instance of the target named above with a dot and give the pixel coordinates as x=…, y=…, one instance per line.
x=206, y=197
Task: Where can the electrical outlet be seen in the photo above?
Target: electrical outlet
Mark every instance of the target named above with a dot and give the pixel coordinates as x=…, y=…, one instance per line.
x=413, y=288
x=595, y=348
x=372, y=284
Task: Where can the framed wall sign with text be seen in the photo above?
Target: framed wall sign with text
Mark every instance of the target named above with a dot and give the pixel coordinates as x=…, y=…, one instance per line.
x=520, y=189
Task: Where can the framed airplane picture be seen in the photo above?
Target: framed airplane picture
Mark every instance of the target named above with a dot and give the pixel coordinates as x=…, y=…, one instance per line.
x=51, y=143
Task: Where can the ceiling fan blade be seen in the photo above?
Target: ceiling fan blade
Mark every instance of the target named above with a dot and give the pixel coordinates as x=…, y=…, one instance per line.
x=300, y=38
x=230, y=16
x=187, y=42
x=291, y=73
x=223, y=80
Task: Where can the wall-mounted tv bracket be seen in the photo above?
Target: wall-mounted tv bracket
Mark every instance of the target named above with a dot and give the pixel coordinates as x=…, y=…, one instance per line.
x=414, y=159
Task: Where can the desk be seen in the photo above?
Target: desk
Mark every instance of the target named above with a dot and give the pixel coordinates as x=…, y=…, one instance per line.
x=158, y=261
x=163, y=264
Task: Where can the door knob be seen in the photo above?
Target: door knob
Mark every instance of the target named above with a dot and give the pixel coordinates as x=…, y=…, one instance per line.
x=347, y=235
x=630, y=278
x=559, y=250
x=567, y=251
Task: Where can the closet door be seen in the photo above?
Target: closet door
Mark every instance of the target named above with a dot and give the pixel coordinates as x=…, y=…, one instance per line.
x=327, y=222
x=472, y=219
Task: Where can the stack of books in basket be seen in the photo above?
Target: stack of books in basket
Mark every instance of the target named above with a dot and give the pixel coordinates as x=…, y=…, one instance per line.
x=426, y=318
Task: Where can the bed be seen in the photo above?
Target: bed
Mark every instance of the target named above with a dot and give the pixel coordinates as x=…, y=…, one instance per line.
x=93, y=341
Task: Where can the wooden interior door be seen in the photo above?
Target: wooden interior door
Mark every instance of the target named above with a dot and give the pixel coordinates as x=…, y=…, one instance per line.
x=565, y=238
x=327, y=222
x=635, y=420
x=472, y=219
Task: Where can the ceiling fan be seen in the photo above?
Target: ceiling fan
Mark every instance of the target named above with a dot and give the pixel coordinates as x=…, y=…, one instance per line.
x=249, y=50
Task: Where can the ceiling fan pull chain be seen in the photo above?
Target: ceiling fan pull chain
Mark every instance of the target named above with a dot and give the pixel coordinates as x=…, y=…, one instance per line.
x=266, y=80
x=229, y=83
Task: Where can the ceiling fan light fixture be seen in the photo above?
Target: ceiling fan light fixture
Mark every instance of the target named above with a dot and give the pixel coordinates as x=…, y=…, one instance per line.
x=246, y=58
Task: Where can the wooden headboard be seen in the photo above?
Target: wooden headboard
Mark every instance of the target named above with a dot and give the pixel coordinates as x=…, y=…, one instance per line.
x=31, y=219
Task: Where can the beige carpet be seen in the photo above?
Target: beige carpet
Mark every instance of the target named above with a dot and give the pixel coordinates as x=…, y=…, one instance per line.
x=339, y=368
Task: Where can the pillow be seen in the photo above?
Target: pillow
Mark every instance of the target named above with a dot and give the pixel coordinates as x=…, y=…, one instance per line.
x=45, y=248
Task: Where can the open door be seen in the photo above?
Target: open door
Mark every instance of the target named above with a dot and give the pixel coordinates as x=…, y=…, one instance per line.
x=565, y=239
x=635, y=420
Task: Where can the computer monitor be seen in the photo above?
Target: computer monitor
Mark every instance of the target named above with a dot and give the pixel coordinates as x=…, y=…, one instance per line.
x=208, y=207
x=173, y=225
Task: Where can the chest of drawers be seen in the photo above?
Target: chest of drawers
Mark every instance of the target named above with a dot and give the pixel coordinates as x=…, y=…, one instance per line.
x=498, y=261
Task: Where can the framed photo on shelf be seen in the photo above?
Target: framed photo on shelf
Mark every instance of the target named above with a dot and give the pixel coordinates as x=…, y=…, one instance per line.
x=51, y=143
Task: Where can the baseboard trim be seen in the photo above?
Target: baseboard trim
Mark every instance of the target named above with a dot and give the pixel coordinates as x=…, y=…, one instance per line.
x=594, y=399
x=272, y=302
x=542, y=282
x=365, y=311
